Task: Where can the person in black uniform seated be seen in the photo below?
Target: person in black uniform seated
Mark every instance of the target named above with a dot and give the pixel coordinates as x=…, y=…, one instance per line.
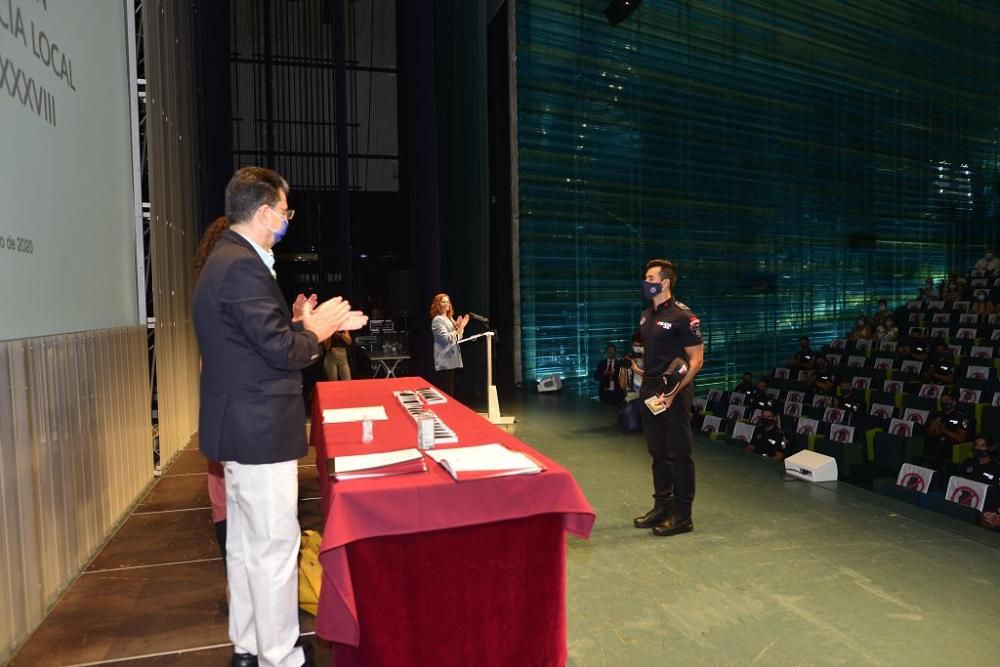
x=758, y=398
x=606, y=375
x=823, y=384
x=940, y=367
x=768, y=439
x=917, y=349
x=946, y=428
x=671, y=334
x=747, y=385
x=805, y=358
x=983, y=467
x=849, y=398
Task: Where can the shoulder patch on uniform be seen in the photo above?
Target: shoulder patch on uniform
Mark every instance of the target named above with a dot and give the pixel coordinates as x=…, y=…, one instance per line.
x=695, y=324
x=642, y=321
x=682, y=306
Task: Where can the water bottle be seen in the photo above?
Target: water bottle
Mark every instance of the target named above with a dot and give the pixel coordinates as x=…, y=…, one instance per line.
x=425, y=429
x=367, y=431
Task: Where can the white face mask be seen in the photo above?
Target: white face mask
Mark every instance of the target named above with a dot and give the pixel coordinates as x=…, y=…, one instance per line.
x=637, y=349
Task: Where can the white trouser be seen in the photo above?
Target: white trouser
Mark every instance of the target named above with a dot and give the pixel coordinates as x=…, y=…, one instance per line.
x=262, y=552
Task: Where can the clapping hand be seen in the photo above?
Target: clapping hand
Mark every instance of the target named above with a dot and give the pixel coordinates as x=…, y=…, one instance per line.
x=300, y=302
x=331, y=316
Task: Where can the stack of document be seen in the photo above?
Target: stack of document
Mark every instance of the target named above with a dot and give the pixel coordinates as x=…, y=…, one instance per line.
x=345, y=415
x=380, y=464
x=484, y=461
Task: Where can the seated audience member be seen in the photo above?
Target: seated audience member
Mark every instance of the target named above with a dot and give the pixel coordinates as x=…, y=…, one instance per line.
x=982, y=466
x=606, y=375
x=940, y=367
x=881, y=312
x=805, y=358
x=952, y=292
x=746, y=385
x=887, y=330
x=849, y=398
x=768, y=439
x=823, y=385
x=758, y=398
x=931, y=293
x=988, y=263
x=862, y=330
x=982, y=306
x=918, y=349
x=945, y=429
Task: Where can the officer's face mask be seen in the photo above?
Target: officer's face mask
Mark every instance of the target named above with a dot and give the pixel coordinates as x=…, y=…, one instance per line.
x=651, y=289
x=982, y=453
x=637, y=349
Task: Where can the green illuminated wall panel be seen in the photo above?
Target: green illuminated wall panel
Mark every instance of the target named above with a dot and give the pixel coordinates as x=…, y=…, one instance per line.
x=798, y=160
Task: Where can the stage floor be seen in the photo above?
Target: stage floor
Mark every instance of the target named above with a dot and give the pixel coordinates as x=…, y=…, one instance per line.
x=776, y=573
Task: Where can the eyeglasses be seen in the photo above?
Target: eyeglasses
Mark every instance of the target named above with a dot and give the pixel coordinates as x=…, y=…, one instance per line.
x=287, y=215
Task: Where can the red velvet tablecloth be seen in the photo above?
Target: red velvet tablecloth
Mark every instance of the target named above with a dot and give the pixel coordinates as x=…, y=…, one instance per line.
x=420, y=569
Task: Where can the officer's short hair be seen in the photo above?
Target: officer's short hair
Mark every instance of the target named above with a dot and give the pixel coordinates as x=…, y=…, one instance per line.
x=667, y=270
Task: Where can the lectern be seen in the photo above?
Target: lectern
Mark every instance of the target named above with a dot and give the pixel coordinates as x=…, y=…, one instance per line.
x=492, y=401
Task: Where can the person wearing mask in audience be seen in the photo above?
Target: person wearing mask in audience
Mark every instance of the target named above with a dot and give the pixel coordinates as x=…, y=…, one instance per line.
x=887, y=330
x=805, y=358
x=850, y=399
x=768, y=439
x=945, y=429
x=746, y=385
x=758, y=398
x=823, y=385
x=862, y=330
x=881, y=312
x=982, y=466
x=606, y=376
x=952, y=291
x=988, y=263
x=940, y=368
x=982, y=306
x=931, y=293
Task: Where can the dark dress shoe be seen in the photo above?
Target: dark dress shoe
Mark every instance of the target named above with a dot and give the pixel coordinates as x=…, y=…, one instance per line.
x=651, y=518
x=243, y=660
x=673, y=526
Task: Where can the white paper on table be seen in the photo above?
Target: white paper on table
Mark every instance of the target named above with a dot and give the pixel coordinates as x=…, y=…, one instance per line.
x=482, y=458
x=344, y=415
x=356, y=462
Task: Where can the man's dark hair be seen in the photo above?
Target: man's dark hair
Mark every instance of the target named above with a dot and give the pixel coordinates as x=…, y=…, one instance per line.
x=249, y=189
x=667, y=271
x=748, y=373
x=802, y=338
x=612, y=346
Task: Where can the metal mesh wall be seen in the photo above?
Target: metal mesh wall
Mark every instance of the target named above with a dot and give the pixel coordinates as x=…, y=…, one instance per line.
x=797, y=160
x=172, y=163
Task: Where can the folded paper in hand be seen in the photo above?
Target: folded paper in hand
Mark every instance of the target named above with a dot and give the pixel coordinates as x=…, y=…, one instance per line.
x=345, y=415
x=379, y=464
x=484, y=461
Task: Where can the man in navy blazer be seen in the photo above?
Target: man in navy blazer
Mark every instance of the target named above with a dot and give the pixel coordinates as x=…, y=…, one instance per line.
x=251, y=418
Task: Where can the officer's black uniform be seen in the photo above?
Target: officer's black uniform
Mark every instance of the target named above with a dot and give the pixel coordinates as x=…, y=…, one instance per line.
x=938, y=449
x=666, y=330
x=769, y=443
x=987, y=473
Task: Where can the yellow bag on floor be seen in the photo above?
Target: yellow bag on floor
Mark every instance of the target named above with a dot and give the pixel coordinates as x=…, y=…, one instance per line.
x=310, y=571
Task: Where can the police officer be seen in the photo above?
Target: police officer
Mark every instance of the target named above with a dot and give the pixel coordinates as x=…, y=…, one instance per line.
x=768, y=439
x=982, y=466
x=944, y=430
x=670, y=332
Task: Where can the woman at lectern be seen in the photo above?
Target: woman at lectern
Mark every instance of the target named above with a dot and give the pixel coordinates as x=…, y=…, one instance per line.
x=447, y=332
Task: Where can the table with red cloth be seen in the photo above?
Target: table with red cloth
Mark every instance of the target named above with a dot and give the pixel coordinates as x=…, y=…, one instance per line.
x=421, y=570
